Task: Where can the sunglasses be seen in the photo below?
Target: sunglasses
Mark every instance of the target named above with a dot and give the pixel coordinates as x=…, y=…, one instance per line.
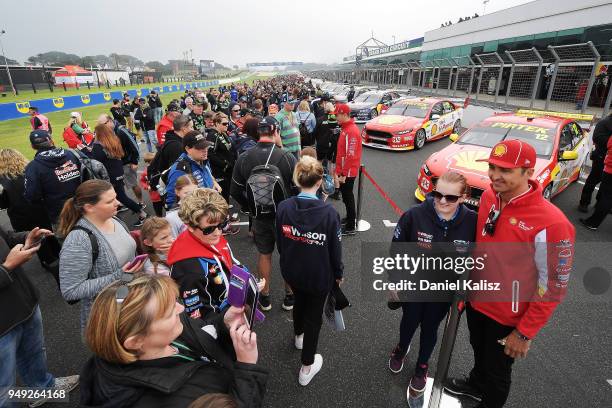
x=491, y=222
x=210, y=229
x=225, y=123
x=235, y=110
x=450, y=198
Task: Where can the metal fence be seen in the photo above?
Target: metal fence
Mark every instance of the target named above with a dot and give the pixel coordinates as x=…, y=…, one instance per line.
x=570, y=78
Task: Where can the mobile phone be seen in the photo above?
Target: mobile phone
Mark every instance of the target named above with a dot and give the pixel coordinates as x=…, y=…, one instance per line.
x=136, y=260
x=39, y=241
x=250, y=302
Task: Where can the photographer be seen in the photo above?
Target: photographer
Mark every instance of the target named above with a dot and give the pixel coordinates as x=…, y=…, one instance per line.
x=148, y=353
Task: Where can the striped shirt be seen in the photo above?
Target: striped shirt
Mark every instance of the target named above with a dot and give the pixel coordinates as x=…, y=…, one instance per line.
x=289, y=132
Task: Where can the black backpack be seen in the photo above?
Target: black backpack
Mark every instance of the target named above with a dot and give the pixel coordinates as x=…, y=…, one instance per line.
x=305, y=136
x=265, y=189
x=90, y=169
x=156, y=168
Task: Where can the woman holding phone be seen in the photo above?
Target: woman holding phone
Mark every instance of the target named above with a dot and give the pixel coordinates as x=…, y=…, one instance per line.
x=310, y=266
x=445, y=219
x=88, y=221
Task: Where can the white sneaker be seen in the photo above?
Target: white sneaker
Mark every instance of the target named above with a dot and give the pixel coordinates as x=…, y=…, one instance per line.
x=61, y=383
x=299, y=341
x=304, y=379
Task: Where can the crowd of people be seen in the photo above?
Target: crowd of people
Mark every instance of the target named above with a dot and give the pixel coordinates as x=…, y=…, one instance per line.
x=153, y=295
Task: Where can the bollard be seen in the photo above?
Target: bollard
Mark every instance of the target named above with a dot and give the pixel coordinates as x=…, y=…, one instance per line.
x=64, y=85
x=88, y=86
x=362, y=225
x=108, y=85
x=34, y=87
x=116, y=83
x=77, y=85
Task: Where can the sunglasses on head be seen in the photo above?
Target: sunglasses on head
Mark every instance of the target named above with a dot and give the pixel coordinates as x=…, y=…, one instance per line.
x=450, y=198
x=211, y=228
x=491, y=222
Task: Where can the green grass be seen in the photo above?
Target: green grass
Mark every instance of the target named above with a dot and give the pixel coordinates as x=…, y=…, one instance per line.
x=15, y=133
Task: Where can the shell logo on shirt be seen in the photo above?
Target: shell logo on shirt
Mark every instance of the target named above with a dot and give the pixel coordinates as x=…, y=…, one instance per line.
x=23, y=107
x=85, y=99
x=58, y=102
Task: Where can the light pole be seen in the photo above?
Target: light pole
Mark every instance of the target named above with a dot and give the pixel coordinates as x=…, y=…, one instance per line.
x=8, y=71
x=393, y=39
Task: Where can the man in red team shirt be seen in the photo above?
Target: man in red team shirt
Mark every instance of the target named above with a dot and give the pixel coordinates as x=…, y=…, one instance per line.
x=514, y=216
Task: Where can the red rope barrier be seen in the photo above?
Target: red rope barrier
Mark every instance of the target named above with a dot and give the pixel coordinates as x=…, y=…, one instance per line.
x=396, y=208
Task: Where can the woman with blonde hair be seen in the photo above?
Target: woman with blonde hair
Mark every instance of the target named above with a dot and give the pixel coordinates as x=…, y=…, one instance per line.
x=310, y=266
x=76, y=133
x=307, y=123
x=148, y=353
x=107, y=150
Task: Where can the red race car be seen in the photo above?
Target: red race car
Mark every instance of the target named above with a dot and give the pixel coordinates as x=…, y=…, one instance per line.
x=560, y=142
x=411, y=122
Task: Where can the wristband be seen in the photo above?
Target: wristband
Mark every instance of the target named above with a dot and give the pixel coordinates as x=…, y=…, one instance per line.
x=521, y=335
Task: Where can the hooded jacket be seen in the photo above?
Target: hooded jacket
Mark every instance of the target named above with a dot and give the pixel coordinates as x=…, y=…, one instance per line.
x=308, y=241
x=17, y=293
x=112, y=165
x=128, y=143
x=541, y=263
x=200, y=171
x=222, y=155
x=176, y=382
x=51, y=179
x=165, y=125
x=348, y=156
x=202, y=273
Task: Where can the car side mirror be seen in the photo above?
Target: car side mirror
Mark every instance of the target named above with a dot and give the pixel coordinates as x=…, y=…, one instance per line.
x=569, y=155
x=454, y=137
x=435, y=116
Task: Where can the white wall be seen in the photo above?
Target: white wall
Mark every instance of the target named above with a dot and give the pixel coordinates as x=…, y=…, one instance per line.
x=531, y=18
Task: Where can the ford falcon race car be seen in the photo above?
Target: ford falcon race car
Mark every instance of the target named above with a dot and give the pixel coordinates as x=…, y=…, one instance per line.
x=560, y=142
x=368, y=105
x=410, y=122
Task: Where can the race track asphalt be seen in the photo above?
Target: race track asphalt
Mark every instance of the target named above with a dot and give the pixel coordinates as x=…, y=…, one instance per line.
x=568, y=366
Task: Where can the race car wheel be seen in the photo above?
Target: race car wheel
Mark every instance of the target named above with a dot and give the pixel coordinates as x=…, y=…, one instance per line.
x=547, y=193
x=419, y=139
x=373, y=113
x=457, y=126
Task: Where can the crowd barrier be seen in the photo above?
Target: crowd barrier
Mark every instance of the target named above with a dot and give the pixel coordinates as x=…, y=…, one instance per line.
x=16, y=110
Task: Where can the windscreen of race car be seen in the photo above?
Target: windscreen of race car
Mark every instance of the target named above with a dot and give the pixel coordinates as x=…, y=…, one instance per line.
x=542, y=139
x=374, y=98
x=415, y=110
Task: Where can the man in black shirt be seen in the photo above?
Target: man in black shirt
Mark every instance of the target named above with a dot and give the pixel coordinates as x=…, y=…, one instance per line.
x=118, y=112
x=601, y=134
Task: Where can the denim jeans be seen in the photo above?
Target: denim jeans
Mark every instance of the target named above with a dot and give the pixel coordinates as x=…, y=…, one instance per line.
x=158, y=114
x=23, y=350
x=151, y=139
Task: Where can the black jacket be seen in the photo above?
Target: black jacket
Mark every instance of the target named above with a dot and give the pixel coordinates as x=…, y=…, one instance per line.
x=24, y=216
x=154, y=101
x=326, y=135
x=170, y=150
x=257, y=155
x=601, y=134
x=128, y=143
x=221, y=155
x=146, y=118
x=52, y=178
x=113, y=166
x=308, y=241
x=18, y=296
x=118, y=114
x=175, y=382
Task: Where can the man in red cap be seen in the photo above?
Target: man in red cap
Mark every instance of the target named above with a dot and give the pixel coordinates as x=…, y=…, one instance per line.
x=348, y=160
x=526, y=240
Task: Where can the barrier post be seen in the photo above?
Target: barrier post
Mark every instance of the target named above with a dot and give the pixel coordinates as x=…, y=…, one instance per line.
x=34, y=87
x=108, y=85
x=88, y=86
x=64, y=85
x=362, y=225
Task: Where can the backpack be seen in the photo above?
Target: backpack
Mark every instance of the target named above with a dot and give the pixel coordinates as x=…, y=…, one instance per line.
x=265, y=189
x=132, y=137
x=90, y=169
x=155, y=168
x=305, y=136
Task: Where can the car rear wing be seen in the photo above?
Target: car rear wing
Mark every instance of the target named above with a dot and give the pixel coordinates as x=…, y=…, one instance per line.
x=585, y=120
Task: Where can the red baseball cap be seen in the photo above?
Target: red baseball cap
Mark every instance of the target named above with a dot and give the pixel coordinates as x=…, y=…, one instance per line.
x=342, y=108
x=512, y=154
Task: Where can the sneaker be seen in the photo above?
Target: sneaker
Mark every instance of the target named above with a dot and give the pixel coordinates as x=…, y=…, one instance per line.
x=288, y=301
x=462, y=387
x=264, y=302
x=304, y=379
x=299, y=341
x=348, y=231
x=587, y=225
x=583, y=208
x=140, y=221
x=231, y=229
x=396, y=361
x=419, y=378
x=61, y=384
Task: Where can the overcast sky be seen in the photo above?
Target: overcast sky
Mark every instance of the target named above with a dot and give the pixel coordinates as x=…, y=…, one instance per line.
x=229, y=31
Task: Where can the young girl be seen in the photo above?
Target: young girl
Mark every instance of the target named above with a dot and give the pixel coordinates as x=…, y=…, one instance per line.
x=184, y=186
x=156, y=237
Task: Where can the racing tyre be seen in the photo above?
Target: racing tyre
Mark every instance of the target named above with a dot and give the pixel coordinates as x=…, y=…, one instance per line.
x=419, y=139
x=457, y=126
x=547, y=193
x=373, y=113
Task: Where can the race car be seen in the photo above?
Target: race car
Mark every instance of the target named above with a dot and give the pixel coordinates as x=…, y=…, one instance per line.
x=368, y=105
x=561, y=145
x=410, y=122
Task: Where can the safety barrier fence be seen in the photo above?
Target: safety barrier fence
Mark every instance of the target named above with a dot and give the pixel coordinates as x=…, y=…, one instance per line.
x=560, y=78
x=16, y=110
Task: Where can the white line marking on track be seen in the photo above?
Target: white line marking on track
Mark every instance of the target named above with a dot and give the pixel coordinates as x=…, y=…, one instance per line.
x=389, y=224
x=609, y=382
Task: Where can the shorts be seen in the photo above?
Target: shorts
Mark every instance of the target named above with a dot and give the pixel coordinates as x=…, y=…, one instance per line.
x=130, y=179
x=264, y=235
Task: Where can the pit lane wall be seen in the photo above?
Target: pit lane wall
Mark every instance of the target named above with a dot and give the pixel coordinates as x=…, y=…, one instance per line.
x=16, y=110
